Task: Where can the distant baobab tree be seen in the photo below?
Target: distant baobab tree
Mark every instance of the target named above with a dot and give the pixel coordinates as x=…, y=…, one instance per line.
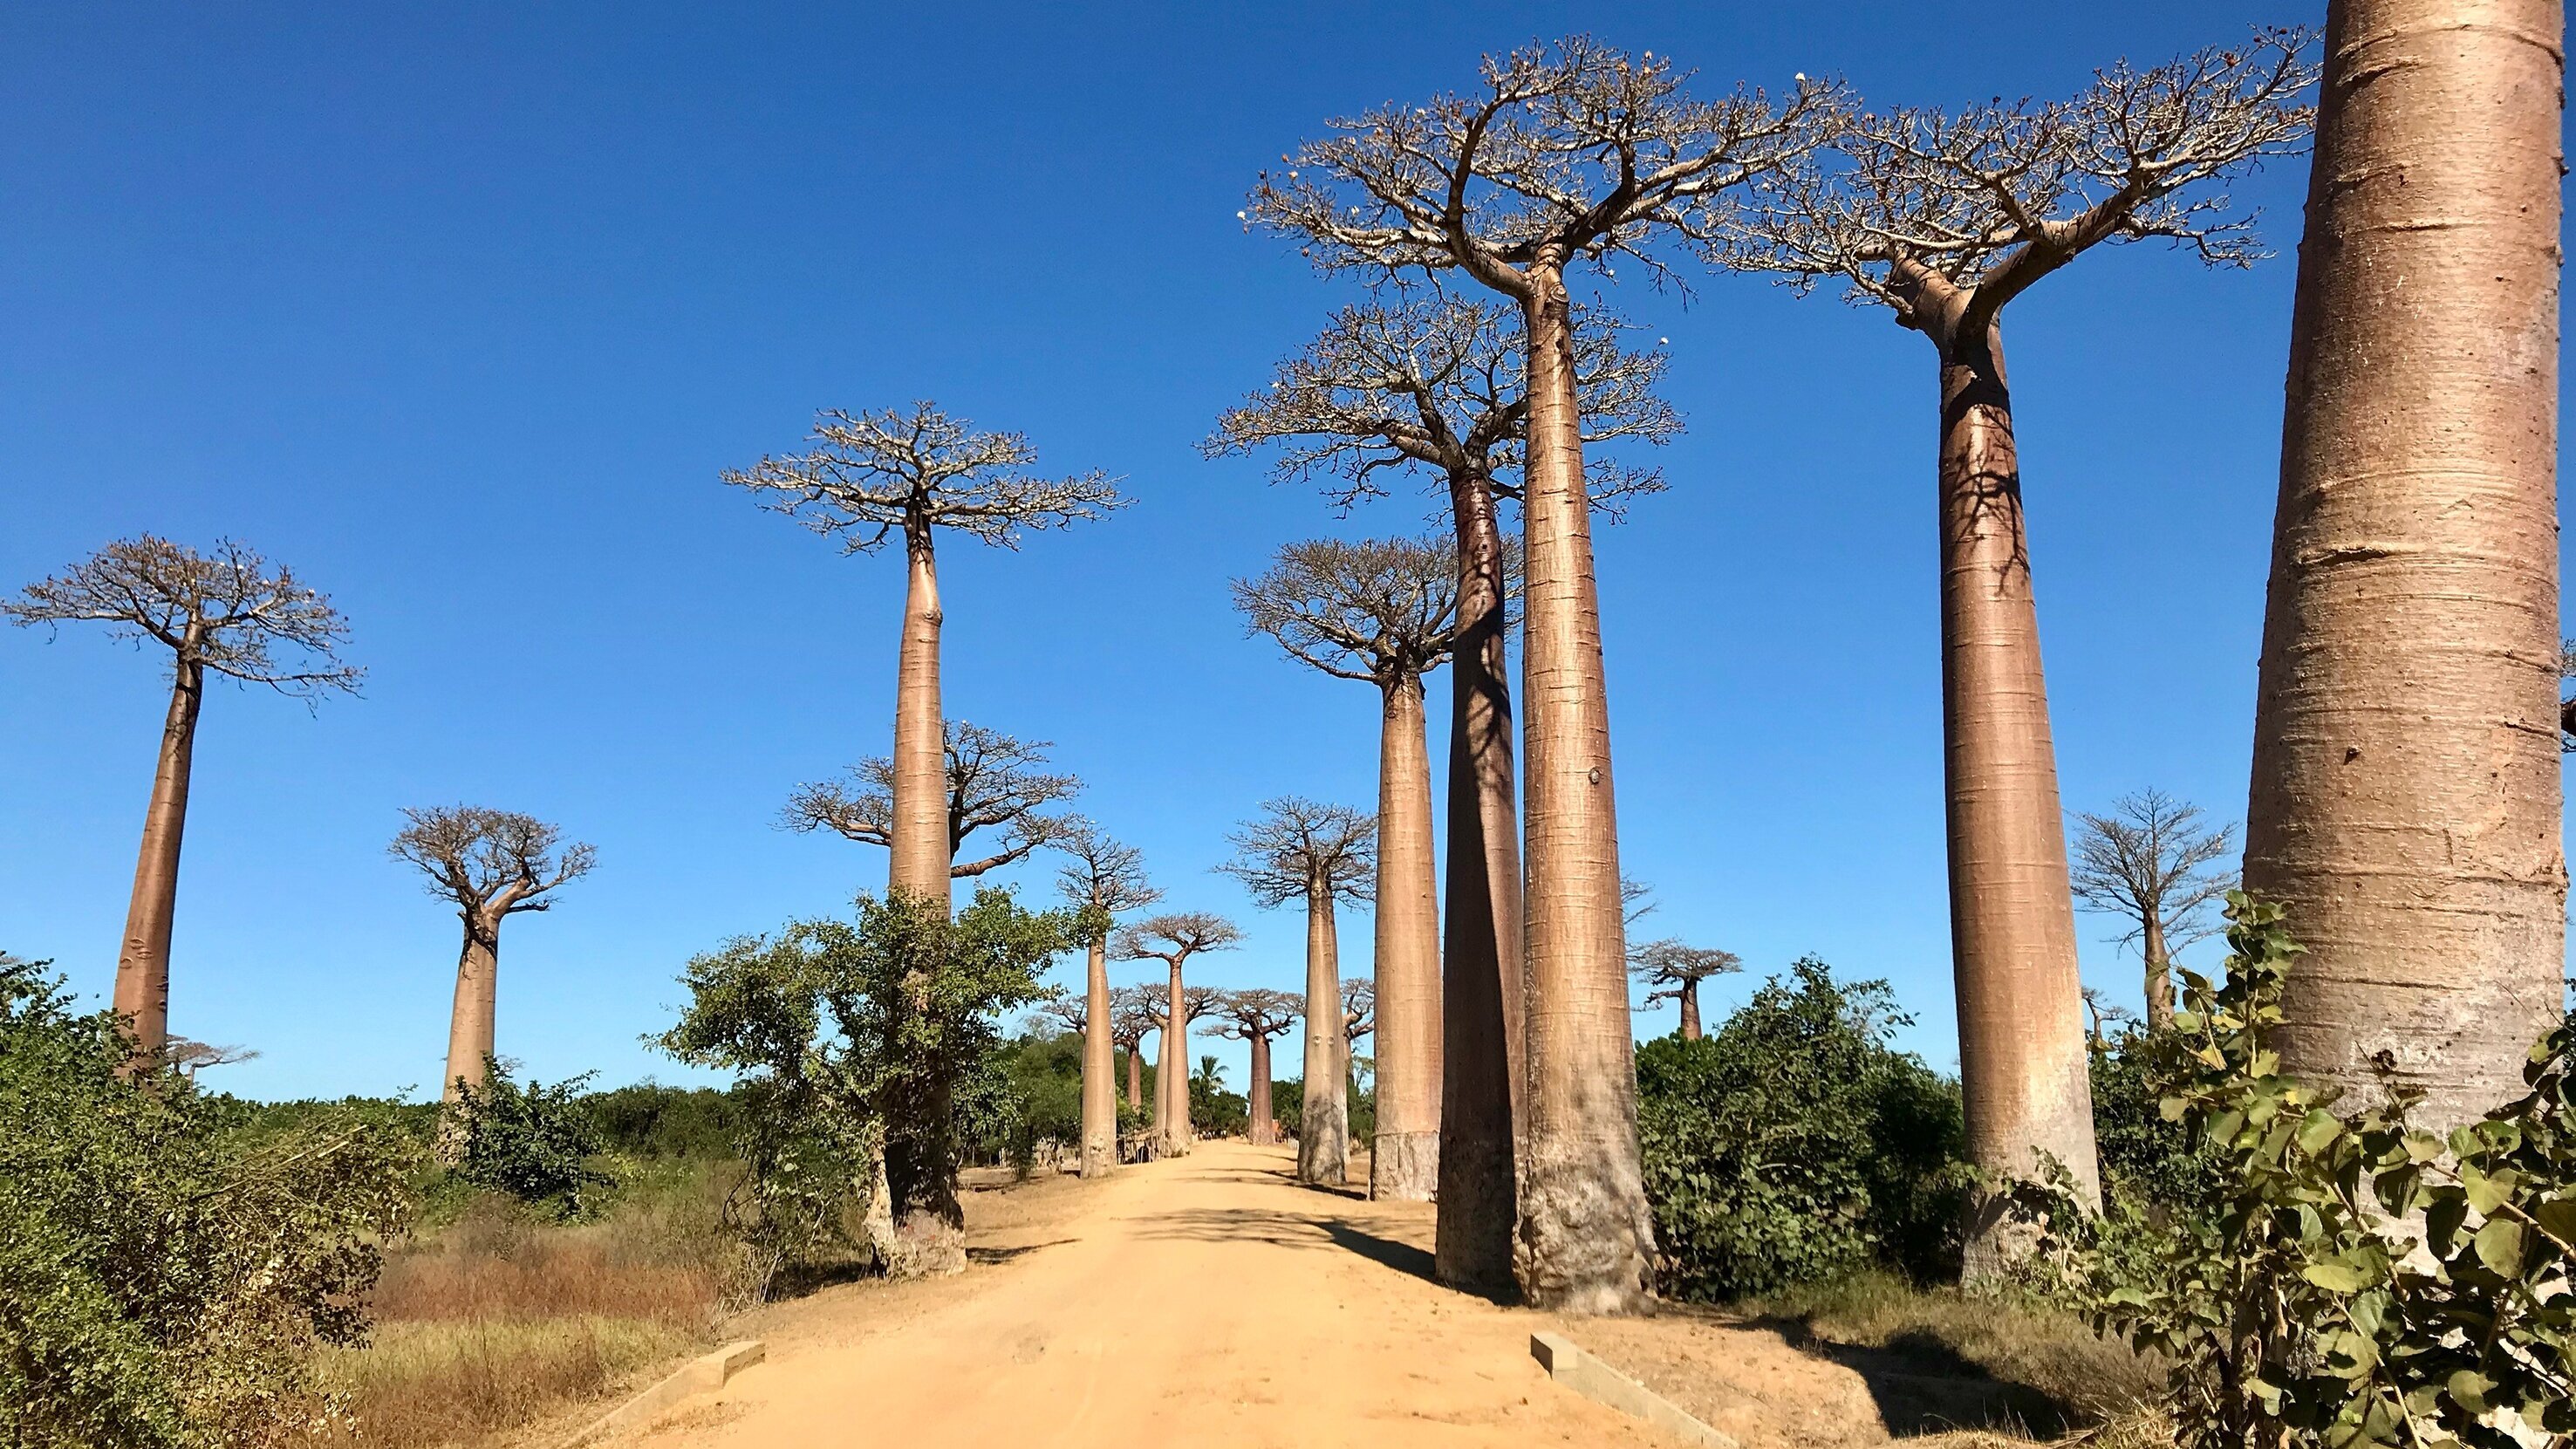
x=1173, y=938
x=2152, y=862
x=2405, y=802
x=1059, y=1011
x=1359, y=1019
x=1131, y=1020
x=1436, y=385
x=2106, y=1015
x=1673, y=971
x=1300, y=850
x=1944, y=218
x=1384, y=612
x=192, y=1057
x=995, y=782
x=1256, y=1015
x=492, y=864
x=229, y=613
x=1567, y=154
x=1104, y=880
x=873, y=476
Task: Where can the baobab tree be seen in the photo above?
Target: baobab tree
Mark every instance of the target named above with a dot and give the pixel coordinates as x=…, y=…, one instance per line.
x=872, y=476
x=1196, y=1004
x=1384, y=612
x=1058, y=1011
x=229, y=612
x=1943, y=219
x=2405, y=800
x=1173, y=938
x=1359, y=1019
x=995, y=782
x=1131, y=1020
x=1435, y=385
x=1300, y=850
x=1567, y=155
x=1673, y=970
x=2152, y=862
x=192, y=1057
x=1256, y=1015
x=491, y=864
x=1104, y=879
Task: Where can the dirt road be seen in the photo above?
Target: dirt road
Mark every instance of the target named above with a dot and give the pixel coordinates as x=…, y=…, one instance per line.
x=1202, y=1301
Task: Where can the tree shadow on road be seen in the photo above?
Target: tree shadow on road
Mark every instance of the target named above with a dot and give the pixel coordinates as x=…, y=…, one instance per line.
x=990, y=1256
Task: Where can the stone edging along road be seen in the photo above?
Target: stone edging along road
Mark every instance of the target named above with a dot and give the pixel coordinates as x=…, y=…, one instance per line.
x=1569, y=1365
x=702, y=1375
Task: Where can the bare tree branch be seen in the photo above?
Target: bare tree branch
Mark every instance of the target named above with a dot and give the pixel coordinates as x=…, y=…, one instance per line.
x=1299, y=846
x=1106, y=878
x=1359, y=1007
x=491, y=863
x=225, y=611
x=2153, y=861
x=1384, y=611
x=1175, y=937
x=1257, y=1012
x=995, y=782
x=1669, y=966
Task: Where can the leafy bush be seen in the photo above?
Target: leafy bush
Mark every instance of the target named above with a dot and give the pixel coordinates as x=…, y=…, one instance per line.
x=169, y=1266
x=2148, y=1160
x=650, y=1120
x=2293, y=1313
x=1288, y=1104
x=534, y=1142
x=1214, y=1111
x=1793, y=1145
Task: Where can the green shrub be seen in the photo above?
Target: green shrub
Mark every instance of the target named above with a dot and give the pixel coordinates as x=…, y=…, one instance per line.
x=1794, y=1145
x=534, y=1143
x=169, y=1266
x=649, y=1120
x=1214, y=1111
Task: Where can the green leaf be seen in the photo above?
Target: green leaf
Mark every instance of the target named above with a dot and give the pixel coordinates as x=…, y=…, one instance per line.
x=2486, y=1192
x=2319, y=1130
x=2336, y=1276
x=2499, y=1246
x=2559, y=1218
x=2442, y=1220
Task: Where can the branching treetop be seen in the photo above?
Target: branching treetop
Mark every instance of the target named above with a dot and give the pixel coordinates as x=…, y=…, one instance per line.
x=1198, y=1001
x=1945, y=217
x=874, y=474
x=1175, y=937
x=1105, y=878
x=224, y=611
x=1131, y=1017
x=1669, y=965
x=1436, y=382
x=995, y=781
x=1258, y=1012
x=1060, y=1010
x=1300, y=848
x=2153, y=857
x=1359, y=1007
x=490, y=862
x=1383, y=610
x=1570, y=150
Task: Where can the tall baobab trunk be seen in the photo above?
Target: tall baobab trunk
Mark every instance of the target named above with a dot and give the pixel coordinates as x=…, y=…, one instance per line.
x=1262, y=1112
x=1480, y=998
x=469, y=1020
x=142, y=994
x=2012, y=914
x=2405, y=798
x=1324, y=1136
x=1404, y=1156
x=919, y=847
x=1172, y=1075
x=1586, y=1241
x=1099, y=1068
x=2159, y=982
x=1690, y=1011
x=1136, y=1077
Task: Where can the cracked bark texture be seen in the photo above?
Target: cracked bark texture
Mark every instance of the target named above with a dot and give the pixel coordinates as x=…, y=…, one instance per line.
x=2405, y=802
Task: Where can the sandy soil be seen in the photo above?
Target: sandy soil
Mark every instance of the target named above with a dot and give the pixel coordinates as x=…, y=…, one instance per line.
x=1203, y=1300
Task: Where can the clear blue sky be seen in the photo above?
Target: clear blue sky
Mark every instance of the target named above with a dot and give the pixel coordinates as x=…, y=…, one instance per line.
x=462, y=309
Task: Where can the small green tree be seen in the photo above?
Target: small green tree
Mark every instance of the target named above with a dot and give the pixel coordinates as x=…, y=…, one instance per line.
x=534, y=1143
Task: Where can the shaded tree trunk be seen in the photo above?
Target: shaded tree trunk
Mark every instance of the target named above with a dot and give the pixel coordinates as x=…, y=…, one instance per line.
x=1586, y=1241
x=921, y=1171
x=1261, y=1130
x=1404, y=1156
x=919, y=846
x=1324, y=1135
x=1480, y=998
x=1690, y=1011
x=1099, y=1068
x=1136, y=1076
x=2159, y=968
x=1172, y=1076
x=2022, y=1061
x=142, y=994
x=2405, y=802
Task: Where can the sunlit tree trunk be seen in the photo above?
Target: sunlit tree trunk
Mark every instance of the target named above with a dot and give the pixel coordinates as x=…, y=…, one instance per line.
x=2012, y=913
x=1136, y=1077
x=1404, y=1157
x=919, y=841
x=470, y=1032
x=1099, y=1068
x=1324, y=1137
x=1690, y=1011
x=1172, y=1075
x=142, y=994
x=2159, y=968
x=1480, y=999
x=1586, y=1241
x=2405, y=802
x=1262, y=1112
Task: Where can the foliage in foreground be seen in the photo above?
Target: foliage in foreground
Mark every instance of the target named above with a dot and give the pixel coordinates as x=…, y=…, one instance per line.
x=1794, y=1145
x=2291, y=1317
x=534, y=1143
x=171, y=1268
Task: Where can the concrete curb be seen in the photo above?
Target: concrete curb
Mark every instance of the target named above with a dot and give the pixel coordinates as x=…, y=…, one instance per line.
x=1602, y=1384
x=703, y=1375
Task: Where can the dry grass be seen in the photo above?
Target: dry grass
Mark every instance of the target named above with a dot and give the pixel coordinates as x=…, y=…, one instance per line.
x=430, y=1383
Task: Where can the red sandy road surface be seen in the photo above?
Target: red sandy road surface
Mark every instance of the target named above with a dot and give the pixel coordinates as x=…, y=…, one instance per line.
x=1207, y=1300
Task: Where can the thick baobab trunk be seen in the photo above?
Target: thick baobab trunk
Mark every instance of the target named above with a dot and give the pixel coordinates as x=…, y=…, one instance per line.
x=1136, y=1076
x=2405, y=798
x=1260, y=1129
x=2012, y=915
x=2159, y=968
x=470, y=1019
x=1172, y=1075
x=1480, y=998
x=919, y=846
x=1324, y=1136
x=1099, y=1069
x=142, y=994
x=1690, y=1011
x=1404, y=1156
x=1586, y=1242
